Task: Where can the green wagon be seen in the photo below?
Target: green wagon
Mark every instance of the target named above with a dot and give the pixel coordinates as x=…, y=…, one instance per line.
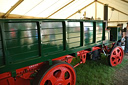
x=39, y=51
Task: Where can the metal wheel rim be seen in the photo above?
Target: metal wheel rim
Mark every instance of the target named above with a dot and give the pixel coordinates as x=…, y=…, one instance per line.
x=116, y=56
x=56, y=76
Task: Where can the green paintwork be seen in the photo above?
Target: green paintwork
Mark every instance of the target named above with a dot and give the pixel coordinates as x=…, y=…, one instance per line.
x=88, y=32
x=99, y=31
x=73, y=34
x=115, y=33
x=30, y=41
x=1, y=53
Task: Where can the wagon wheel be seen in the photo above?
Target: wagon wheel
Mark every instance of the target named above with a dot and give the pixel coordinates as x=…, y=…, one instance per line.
x=116, y=56
x=60, y=73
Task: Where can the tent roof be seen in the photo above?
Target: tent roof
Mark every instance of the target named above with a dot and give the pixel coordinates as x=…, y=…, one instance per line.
x=52, y=8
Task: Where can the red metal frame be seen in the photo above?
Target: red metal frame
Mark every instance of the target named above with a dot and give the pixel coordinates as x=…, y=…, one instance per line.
x=82, y=54
x=66, y=58
x=5, y=75
x=23, y=75
x=96, y=48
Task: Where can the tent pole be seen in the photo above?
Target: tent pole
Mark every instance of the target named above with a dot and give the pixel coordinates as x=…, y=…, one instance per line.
x=12, y=8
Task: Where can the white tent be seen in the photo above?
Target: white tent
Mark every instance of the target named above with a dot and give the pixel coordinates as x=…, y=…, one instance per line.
x=64, y=9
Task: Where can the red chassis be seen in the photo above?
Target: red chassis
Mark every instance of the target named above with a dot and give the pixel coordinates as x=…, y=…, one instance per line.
x=26, y=74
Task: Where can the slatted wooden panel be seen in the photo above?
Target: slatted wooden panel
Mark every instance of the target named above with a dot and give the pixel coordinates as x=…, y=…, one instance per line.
x=51, y=37
x=21, y=40
x=73, y=34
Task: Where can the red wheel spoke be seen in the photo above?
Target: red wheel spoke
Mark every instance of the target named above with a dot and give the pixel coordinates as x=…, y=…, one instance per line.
x=113, y=56
x=67, y=81
x=53, y=79
x=120, y=54
x=62, y=74
x=117, y=53
x=115, y=61
x=120, y=57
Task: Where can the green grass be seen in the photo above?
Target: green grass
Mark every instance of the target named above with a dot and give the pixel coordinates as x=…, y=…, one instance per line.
x=96, y=72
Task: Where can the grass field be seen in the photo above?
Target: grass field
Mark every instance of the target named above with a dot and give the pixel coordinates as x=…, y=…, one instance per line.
x=96, y=72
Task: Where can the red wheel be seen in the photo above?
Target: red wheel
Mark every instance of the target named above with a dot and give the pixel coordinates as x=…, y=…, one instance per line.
x=116, y=56
x=60, y=73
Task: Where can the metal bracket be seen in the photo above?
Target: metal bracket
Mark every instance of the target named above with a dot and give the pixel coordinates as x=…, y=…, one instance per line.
x=50, y=62
x=104, y=52
x=13, y=74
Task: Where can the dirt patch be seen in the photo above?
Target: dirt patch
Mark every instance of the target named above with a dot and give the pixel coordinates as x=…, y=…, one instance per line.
x=121, y=76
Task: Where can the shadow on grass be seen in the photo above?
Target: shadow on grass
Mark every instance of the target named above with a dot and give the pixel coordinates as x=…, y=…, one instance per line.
x=96, y=72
